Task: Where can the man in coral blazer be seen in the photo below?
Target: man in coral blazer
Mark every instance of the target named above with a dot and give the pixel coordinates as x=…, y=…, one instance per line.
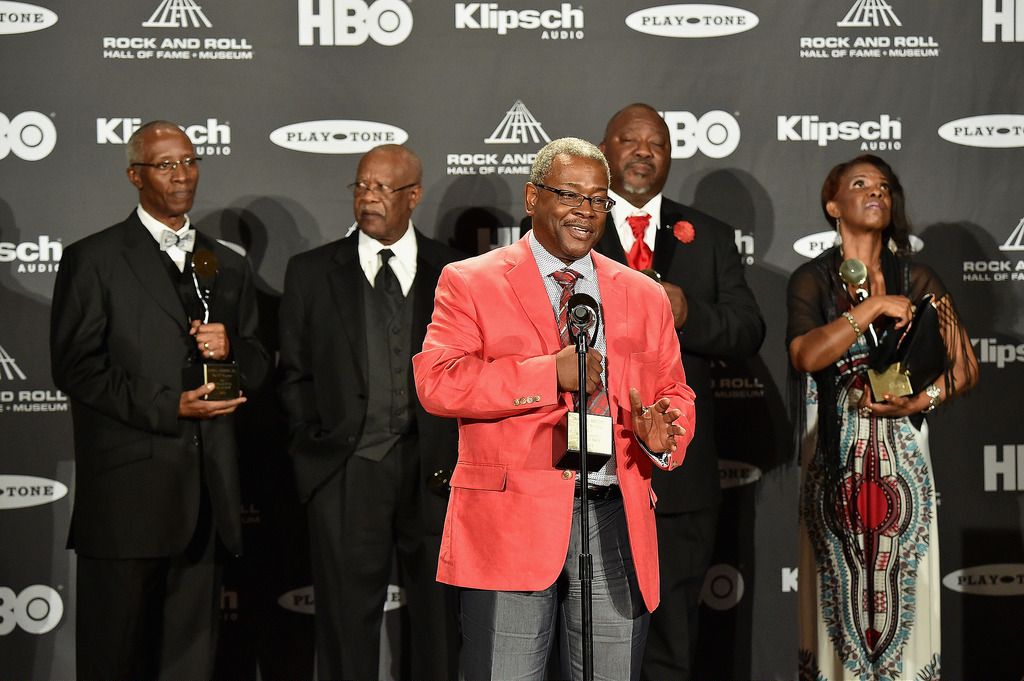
x=493, y=357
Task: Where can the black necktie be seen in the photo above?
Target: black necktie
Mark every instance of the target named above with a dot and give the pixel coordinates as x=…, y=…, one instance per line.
x=386, y=284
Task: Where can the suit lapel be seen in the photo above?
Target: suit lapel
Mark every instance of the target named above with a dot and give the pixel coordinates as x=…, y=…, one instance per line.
x=346, y=284
x=523, y=278
x=610, y=245
x=427, y=273
x=145, y=262
x=665, y=240
x=615, y=312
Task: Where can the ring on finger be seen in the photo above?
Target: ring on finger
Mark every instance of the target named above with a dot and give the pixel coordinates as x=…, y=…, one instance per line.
x=644, y=411
x=865, y=412
x=209, y=353
x=206, y=346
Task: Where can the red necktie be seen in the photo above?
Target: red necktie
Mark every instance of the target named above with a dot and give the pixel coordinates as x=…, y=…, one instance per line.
x=597, y=401
x=640, y=256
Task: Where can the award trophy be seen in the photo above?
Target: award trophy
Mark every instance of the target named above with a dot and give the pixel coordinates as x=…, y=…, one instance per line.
x=223, y=373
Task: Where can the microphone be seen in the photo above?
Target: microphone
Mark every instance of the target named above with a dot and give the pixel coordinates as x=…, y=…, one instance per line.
x=582, y=315
x=853, y=272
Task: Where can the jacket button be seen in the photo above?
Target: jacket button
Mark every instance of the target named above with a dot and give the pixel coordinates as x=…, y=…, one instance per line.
x=515, y=402
x=566, y=475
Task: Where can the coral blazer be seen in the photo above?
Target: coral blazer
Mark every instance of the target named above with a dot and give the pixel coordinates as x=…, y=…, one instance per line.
x=489, y=359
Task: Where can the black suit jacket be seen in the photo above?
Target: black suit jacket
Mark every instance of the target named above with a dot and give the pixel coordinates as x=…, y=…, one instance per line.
x=324, y=361
x=723, y=321
x=119, y=341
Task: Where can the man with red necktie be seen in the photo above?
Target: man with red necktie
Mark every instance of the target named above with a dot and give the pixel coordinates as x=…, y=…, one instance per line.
x=695, y=258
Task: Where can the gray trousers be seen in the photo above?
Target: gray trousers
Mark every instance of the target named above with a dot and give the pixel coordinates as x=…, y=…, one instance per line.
x=510, y=634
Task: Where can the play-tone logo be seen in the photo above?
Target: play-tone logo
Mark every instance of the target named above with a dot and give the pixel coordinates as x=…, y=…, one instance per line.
x=22, y=491
x=736, y=473
x=992, y=131
x=998, y=579
x=20, y=17
x=30, y=136
x=337, y=136
x=692, y=21
x=813, y=245
x=303, y=600
x=352, y=22
x=1007, y=20
x=36, y=610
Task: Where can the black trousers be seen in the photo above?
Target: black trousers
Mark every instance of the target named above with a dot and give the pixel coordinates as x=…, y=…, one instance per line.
x=150, y=618
x=365, y=516
x=685, y=544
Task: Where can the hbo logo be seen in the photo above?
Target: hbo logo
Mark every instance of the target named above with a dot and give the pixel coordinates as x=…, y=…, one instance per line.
x=716, y=134
x=37, y=609
x=351, y=22
x=30, y=135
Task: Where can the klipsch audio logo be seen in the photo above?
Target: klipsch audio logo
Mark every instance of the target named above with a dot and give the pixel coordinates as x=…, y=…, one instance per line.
x=178, y=14
x=19, y=17
x=212, y=137
x=1007, y=20
x=352, y=22
x=518, y=126
x=991, y=351
x=992, y=131
x=1004, y=269
x=21, y=491
x=337, y=136
x=870, y=15
x=886, y=133
x=30, y=136
x=691, y=21
x=36, y=610
x=33, y=257
x=564, y=23
x=1000, y=579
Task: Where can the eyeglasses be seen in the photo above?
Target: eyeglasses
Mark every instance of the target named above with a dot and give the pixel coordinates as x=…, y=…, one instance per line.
x=602, y=204
x=189, y=162
x=378, y=188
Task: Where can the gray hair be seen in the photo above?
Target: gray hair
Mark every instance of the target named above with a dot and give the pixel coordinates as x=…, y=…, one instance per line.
x=569, y=146
x=133, y=149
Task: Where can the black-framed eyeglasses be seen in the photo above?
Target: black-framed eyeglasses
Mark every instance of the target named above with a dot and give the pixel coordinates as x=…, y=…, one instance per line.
x=378, y=188
x=189, y=162
x=602, y=204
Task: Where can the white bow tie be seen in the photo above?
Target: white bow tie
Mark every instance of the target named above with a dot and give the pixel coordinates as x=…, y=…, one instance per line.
x=185, y=242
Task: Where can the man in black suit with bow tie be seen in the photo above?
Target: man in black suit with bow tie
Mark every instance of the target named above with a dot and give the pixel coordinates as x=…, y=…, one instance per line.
x=716, y=317
x=371, y=465
x=157, y=503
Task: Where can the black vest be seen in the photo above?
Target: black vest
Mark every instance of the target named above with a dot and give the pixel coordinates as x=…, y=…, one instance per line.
x=389, y=409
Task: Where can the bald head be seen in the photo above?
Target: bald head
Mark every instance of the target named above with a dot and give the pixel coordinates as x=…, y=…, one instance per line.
x=638, y=148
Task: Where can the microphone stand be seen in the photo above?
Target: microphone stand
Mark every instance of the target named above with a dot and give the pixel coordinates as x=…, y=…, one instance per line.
x=586, y=559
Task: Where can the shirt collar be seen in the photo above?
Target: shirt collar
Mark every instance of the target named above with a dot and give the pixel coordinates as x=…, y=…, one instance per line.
x=155, y=227
x=404, y=249
x=623, y=209
x=548, y=263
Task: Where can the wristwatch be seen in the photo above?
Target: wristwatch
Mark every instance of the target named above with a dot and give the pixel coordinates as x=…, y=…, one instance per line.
x=933, y=392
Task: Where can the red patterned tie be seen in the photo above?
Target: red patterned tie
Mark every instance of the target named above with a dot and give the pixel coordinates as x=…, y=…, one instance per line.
x=597, y=401
x=640, y=256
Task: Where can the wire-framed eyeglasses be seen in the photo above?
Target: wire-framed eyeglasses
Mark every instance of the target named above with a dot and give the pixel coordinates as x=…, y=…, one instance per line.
x=189, y=162
x=602, y=204
x=378, y=188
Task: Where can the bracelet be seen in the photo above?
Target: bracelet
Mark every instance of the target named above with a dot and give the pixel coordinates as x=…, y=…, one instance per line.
x=934, y=393
x=853, y=323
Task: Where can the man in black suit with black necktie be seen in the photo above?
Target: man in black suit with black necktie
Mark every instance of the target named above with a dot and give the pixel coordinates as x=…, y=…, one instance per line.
x=371, y=465
x=157, y=502
x=695, y=257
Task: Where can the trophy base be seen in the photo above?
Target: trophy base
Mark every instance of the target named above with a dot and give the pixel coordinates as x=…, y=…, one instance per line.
x=570, y=461
x=893, y=381
x=224, y=376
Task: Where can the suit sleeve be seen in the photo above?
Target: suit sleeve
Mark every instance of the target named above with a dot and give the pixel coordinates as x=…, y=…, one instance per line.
x=454, y=375
x=80, y=360
x=731, y=325
x=297, y=386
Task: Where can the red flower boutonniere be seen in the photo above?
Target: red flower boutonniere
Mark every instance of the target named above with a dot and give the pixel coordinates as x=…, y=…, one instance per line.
x=684, y=231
